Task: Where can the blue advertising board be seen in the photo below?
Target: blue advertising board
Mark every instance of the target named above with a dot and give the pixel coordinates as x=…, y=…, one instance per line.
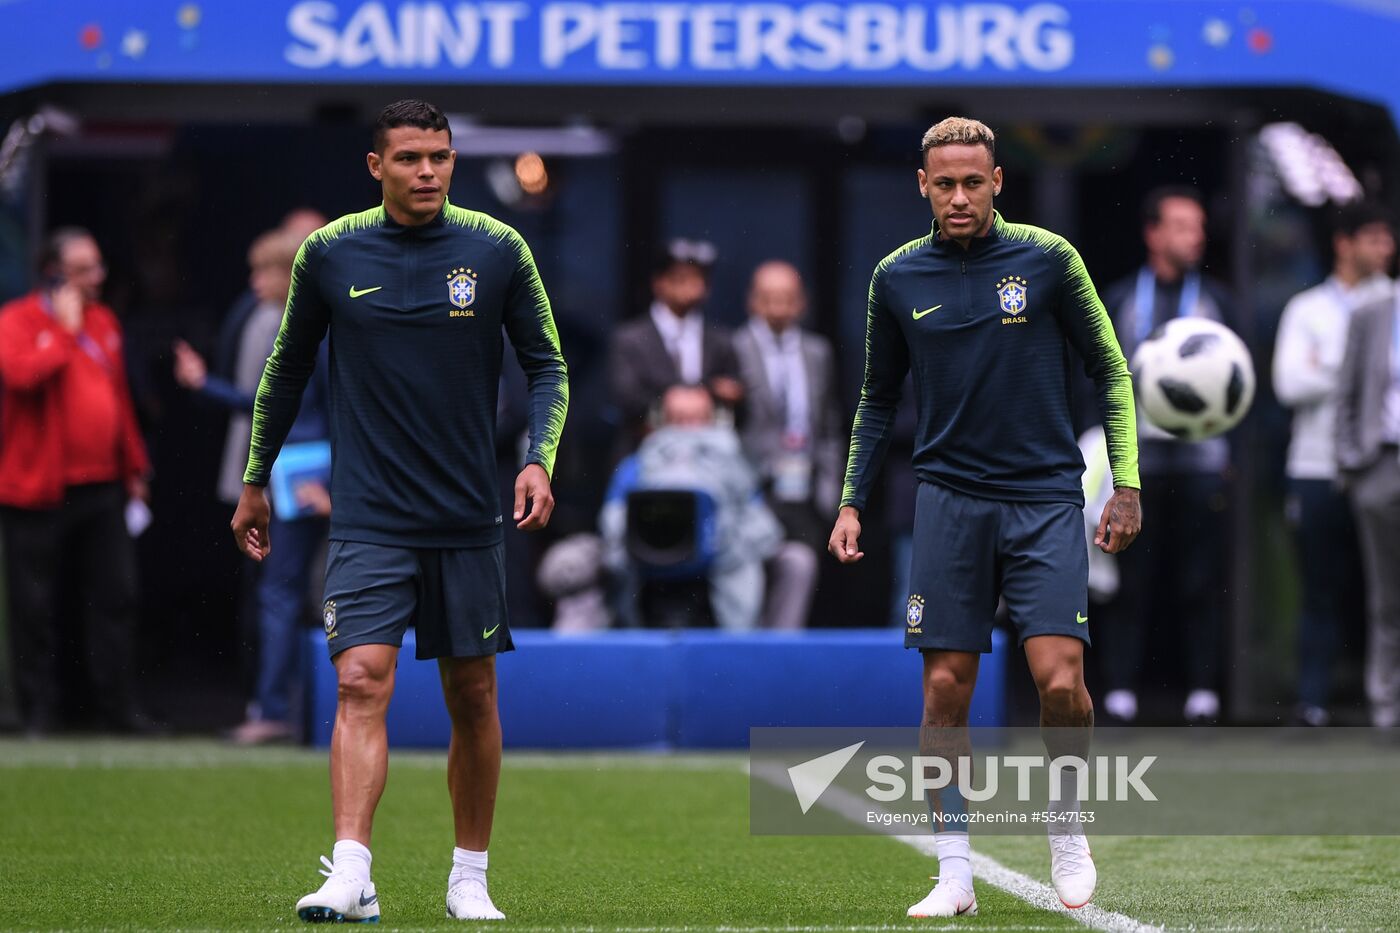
x=1346, y=46
x=663, y=689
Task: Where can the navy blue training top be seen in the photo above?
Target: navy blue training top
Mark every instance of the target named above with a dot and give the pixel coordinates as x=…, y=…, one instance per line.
x=987, y=332
x=415, y=316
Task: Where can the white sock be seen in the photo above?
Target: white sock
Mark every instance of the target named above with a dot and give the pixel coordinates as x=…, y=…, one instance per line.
x=349, y=855
x=466, y=864
x=954, y=858
x=1066, y=809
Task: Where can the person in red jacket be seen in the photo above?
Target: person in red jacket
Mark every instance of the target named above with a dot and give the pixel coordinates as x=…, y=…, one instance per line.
x=71, y=457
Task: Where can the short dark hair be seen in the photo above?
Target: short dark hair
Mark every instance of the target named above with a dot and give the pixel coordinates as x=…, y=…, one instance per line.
x=51, y=253
x=408, y=112
x=1152, y=204
x=1348, y=219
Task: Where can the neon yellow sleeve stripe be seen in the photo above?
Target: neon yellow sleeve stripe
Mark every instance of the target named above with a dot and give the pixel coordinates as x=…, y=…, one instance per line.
x=549, y=388
x=293, y=356
x=1090, y=329
x=1114, y=382
x=886, y=362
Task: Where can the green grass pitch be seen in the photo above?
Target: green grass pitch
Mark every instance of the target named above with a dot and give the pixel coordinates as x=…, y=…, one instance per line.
x=195, y=836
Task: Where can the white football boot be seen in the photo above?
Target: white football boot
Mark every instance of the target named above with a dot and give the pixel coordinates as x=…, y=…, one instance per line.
x=343, y=898
x=947, y=899
x=467, y=900
x=1072, y=869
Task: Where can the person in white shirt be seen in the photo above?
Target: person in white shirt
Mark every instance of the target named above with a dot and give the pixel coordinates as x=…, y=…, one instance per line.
x=1307, y=368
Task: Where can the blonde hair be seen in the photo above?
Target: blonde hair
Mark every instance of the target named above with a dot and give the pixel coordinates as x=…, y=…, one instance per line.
x=955, y=131
x=275, y=247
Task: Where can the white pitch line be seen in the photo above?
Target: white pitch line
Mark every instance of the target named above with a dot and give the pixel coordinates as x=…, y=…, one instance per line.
x=1044, y=897
x=855, y=808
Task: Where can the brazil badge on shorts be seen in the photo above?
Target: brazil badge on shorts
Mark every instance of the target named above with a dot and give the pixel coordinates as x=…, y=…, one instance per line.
x=915, y=614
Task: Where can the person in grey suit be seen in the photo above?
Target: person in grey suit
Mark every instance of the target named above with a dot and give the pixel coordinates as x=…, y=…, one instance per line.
x=1368, y=459
x=671, y=344
x=792, y=433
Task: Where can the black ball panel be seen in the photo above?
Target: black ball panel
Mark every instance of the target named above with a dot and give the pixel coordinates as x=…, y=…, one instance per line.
x=1234, y=392
x=1197, y=343
x=1181, y=396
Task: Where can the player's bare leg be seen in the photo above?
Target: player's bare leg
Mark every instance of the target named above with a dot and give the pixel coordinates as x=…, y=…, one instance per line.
x=474, y=754
x=1067, y=722
x=359, y=769
x=1057, y=666
x=473, y=773
x=949, y=677
x=360, y=741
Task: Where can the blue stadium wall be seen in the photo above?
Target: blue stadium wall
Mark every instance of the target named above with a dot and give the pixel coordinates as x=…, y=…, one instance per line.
x=659, y=690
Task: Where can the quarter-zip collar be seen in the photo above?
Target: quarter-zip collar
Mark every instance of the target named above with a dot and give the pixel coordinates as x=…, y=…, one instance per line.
x=978, y=243
x=393, y=226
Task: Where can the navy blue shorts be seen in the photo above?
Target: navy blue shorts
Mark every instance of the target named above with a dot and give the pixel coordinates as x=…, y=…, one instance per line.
x=968, y=551
x=454, y=597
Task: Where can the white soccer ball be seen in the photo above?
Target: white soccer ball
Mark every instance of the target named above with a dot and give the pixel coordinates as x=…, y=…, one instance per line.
x=1194, y=378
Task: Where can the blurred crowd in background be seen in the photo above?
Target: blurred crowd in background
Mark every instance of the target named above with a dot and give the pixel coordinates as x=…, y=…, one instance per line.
x=698, y=479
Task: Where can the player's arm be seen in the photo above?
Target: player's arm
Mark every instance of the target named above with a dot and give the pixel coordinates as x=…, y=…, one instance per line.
x=1087, y=325
x=886, y=363
x=278, y=399
x=529, y=323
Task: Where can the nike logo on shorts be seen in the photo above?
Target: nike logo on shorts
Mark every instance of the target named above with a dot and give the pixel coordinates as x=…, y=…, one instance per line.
x=1081, y=618
x=487, y=633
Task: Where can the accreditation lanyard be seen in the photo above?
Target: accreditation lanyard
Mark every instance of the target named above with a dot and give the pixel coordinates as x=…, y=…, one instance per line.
x=1145, y=299
x=83, y=338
